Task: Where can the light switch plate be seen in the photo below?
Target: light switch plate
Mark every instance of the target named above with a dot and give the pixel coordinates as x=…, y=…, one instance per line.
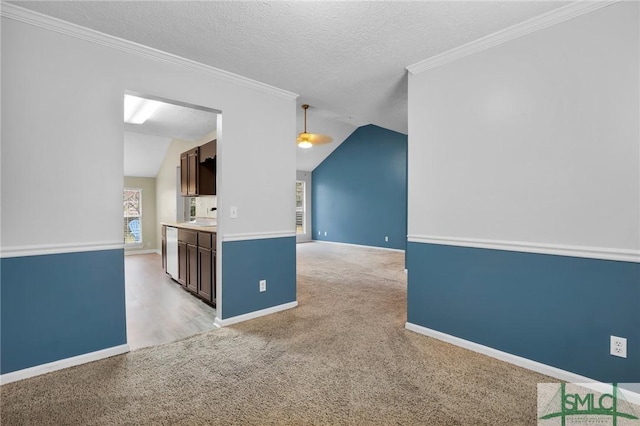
x=234, y=212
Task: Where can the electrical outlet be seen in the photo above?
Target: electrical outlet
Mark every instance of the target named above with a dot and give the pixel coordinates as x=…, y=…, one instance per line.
x=325, y=233
x=386, y=239
x=263, y=285
x=318, y=232
x=619, y=346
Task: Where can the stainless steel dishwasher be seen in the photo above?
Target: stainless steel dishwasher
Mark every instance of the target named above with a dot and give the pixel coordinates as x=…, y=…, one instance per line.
x=172, y=252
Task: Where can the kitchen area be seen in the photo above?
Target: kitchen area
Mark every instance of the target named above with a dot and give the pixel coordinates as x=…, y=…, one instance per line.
x=189, y=247
x=170, y=256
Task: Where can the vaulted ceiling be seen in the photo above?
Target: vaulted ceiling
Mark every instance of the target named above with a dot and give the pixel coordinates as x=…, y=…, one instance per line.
x=146, y=144
x=346, y=59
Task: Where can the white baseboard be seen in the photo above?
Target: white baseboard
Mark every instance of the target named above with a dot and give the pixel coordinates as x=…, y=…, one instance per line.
x=538, y=367
x=357, y=245
x=251, y=315
x=63, y=363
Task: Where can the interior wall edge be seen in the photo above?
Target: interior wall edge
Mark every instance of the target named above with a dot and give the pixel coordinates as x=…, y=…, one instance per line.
x=245, y=264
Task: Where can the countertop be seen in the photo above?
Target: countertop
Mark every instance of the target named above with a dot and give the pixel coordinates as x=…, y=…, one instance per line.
x=187, y=225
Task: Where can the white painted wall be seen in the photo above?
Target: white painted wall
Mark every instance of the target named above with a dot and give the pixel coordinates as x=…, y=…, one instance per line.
x=535, y=140
x=62, y=136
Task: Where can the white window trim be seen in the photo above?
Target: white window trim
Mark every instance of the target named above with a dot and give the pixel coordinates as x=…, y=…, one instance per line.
x=141, y=243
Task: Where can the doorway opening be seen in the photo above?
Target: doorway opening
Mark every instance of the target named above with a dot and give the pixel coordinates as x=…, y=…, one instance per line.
x=156, y=131
x=301, y=223
x=303, y=206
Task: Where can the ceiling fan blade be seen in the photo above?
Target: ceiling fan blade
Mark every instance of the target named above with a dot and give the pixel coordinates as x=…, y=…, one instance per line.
x=319, y=139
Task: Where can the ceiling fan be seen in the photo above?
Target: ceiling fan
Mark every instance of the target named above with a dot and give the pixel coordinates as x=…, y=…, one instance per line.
x=307, y=140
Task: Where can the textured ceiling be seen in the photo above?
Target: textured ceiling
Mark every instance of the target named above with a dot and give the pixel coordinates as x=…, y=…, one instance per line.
x=146, y=144
x=144, y=154
x=344, y=57
x=176, y=122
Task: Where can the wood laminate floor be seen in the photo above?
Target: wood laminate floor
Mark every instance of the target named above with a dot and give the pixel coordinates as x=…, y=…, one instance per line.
x=158, y=309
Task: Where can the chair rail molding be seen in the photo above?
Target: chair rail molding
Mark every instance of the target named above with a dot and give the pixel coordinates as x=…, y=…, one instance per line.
x=42, y=249
x=603, y=253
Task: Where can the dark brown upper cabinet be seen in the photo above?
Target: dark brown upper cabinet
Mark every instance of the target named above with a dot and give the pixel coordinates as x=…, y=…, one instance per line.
x=198, y=170
x=189, y=166
x=208, y=151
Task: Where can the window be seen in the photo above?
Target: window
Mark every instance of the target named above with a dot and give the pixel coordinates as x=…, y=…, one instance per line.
x=300, y=195
x=132, y=203
x=191, y=206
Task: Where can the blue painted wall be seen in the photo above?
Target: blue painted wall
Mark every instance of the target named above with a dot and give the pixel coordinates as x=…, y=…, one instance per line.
x=59, y=306
x=360, y=191
x=245, y=263
x=556, y=310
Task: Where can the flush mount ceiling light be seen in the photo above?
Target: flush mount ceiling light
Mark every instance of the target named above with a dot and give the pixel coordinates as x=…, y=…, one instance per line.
x=307, y=140
x=138, y=110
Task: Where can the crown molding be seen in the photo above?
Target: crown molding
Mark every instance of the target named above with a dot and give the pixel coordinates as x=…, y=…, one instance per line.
x=602, y=253
x=537, y=23
x=27, y=16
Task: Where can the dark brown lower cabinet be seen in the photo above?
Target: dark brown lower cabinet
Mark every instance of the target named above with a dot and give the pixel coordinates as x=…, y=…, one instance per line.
x=182, y=263
x=192, y=268
x=207, y=261
x=197, y=263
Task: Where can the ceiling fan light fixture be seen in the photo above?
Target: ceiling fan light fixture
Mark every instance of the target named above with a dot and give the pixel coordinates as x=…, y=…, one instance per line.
x=308, y=140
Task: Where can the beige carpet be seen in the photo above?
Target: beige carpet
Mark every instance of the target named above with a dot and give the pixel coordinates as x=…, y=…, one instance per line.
x=341, y=357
